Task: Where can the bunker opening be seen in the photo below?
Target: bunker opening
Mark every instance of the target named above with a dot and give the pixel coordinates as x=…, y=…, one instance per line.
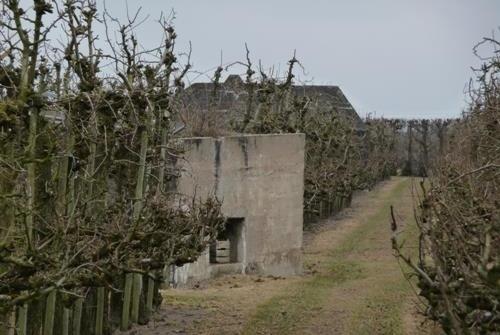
x=228, y=248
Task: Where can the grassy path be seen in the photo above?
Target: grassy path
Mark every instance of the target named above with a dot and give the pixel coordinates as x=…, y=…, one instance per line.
x=352, y=285
x=358, y=287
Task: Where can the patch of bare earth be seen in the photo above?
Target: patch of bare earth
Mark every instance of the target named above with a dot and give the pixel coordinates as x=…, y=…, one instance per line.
x=376, y=300
x=220, y=306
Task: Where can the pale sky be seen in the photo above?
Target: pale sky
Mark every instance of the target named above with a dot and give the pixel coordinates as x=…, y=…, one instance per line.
x=399, y=58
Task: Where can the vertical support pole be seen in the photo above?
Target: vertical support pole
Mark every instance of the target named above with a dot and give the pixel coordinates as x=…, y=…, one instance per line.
x=99, y=317
x=77, y=316
x=127, y=292
x=4, y=324
x=136, y=297
x=65, y=321
x=12, y=322
x=50, y=310
x=22, y=319
x=149, y=297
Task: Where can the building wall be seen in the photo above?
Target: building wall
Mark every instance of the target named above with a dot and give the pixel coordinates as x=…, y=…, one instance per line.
x=259, y=178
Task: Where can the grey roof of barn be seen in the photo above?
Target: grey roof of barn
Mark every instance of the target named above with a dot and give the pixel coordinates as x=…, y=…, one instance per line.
x=232, y=94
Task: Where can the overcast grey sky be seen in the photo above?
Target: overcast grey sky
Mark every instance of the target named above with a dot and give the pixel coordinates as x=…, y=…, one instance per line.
x=396, y=57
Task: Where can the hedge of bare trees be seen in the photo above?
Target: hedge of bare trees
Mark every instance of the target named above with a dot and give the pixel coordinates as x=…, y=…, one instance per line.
x=341, y=155
x=422, y=144
x=86, y=160
x=458, y=268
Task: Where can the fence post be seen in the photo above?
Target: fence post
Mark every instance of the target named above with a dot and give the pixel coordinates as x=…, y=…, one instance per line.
x=329, y=205
x=65, y=321
x=12, y=322
x=50, y=310
x=99, y=317
x=4, y=323
x=149, y=297
x=22, y=319
x=115, y=304
x=127, y=292
x=8, y=323
x=77, y=316
x=136, y=297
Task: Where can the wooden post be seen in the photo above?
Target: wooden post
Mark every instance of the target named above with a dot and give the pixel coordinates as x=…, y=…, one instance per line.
x=149, y=297
x=22, y=319
x=65, y=321
x=8, y=323
x=50, y=311
x=115, y=302
x=31, y=175
x=127, y=292
x=35, y=316
x=136, y=297
x=99, y=318
x=4, y=324
x=77, y=316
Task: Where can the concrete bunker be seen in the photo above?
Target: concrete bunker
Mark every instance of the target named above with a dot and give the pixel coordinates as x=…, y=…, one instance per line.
x=260, y=180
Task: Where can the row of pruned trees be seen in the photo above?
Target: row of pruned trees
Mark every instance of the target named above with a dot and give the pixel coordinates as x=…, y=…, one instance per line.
x=458, y=267
x=342, y=153
x=87, y=162
x=424, y=143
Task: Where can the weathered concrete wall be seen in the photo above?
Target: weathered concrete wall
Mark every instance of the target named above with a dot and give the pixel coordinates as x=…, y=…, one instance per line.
x=259, y=178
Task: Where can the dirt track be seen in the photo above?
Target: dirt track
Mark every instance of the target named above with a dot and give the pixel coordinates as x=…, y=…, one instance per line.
x=352, y=283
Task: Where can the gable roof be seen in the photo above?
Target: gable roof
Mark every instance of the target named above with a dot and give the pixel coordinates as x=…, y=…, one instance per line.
x=330, y=98
x=231, y=95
